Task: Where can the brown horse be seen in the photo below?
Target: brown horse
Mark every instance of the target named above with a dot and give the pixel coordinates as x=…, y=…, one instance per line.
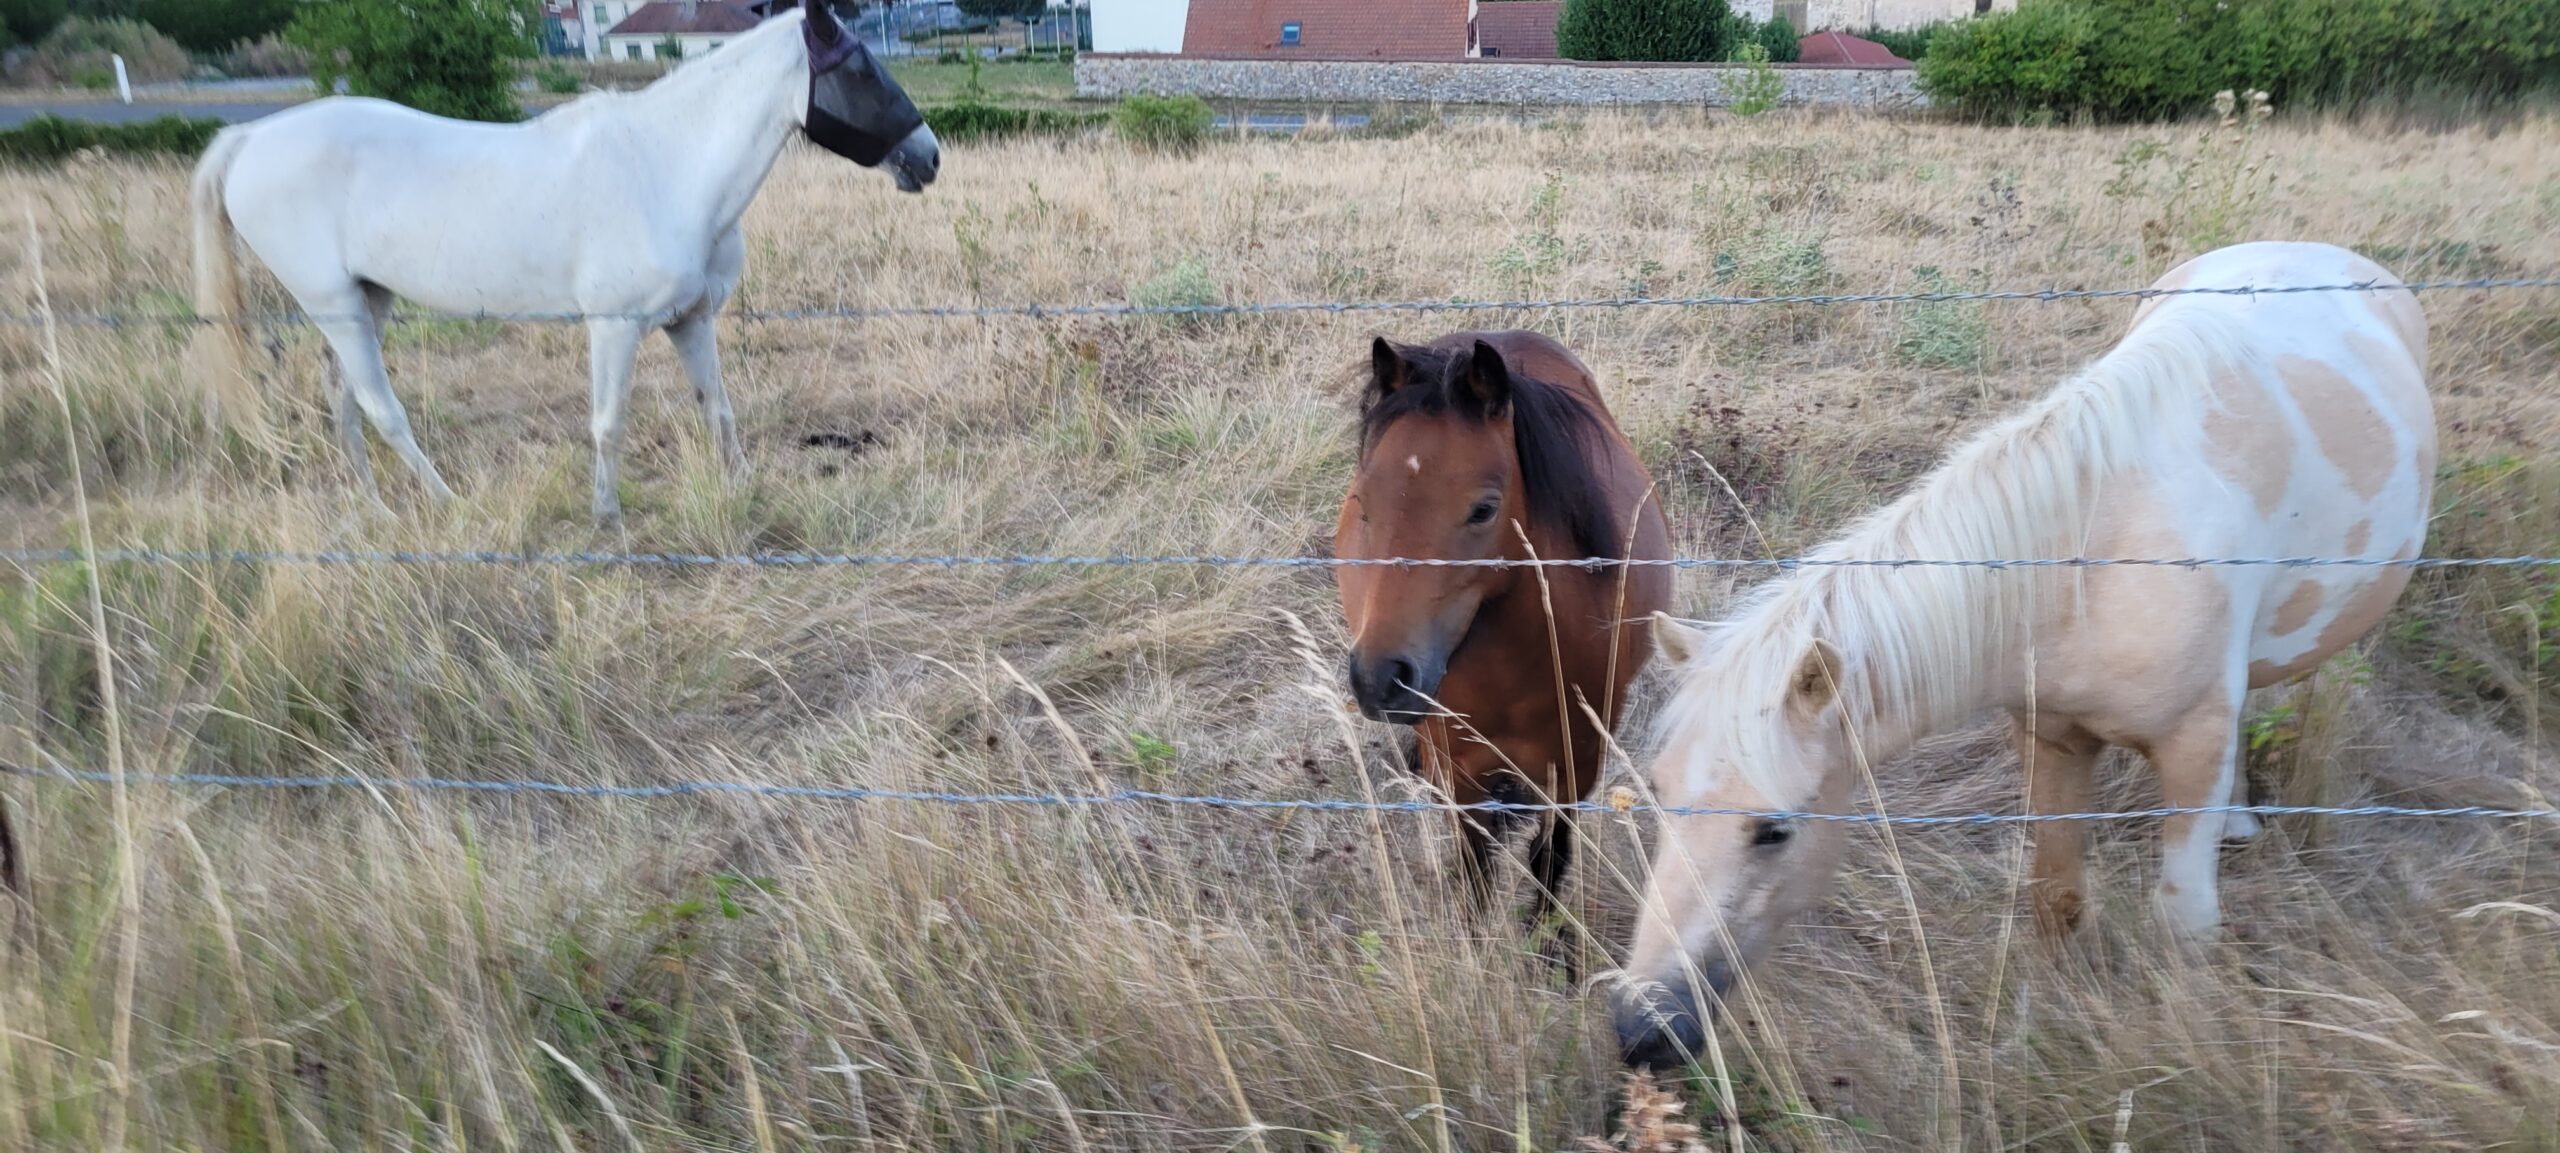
x=1468, y=445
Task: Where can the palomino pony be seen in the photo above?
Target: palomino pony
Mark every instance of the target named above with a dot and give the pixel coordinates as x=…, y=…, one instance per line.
x=620, y=208
x=2221, y=426
x=1486, y=445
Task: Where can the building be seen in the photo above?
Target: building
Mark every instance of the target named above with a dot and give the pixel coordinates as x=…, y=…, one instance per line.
x=1139, y=25
x=1331, y=29
x=564, y=30
x=1836, y=47
x=1517, y=29
x=690, y=28
x=1859, y=15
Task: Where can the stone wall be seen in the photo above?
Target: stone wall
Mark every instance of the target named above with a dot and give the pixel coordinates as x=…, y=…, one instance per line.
x=1481, y=81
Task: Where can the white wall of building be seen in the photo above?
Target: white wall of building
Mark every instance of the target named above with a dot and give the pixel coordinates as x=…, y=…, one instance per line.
x=1856, y=15
x=630, y=48
x=1139, y=25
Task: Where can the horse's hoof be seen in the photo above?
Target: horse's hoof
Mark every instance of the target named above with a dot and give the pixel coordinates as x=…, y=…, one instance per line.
x=2057, y=912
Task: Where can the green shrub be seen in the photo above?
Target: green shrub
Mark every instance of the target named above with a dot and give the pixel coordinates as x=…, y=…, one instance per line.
x=556, y=79
x=1643, y=30
x=267, y=56
x=1776, y=40
x=29, y=20
x=79, y=51
x=1755, y=87
x=1163, y=123
x=975, y=120
x=2010, y=63
x=211, y=26
x=449, y=57
x=1908, y=43
x=52, y=139
x=2145, y=59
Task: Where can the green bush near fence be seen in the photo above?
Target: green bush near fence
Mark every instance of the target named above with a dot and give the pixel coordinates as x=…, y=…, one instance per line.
x=2147, y=59
x=52, y=139
x=973, y=120
x=1163, y=123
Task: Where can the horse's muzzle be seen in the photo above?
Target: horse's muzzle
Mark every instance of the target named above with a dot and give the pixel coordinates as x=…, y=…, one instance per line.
x=915, y=161
x=1396, y=688
x=1665, y=1026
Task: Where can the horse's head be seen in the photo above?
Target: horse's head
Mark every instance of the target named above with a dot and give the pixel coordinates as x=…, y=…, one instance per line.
x=1439, y=478
x=1756, y=725
x=857, y=112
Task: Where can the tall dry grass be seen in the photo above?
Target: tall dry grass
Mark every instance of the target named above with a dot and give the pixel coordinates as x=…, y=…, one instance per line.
x=382, y=970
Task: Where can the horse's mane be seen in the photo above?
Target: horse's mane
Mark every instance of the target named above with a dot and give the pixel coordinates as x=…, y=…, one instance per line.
x=1915, y=642
x=1563, y=444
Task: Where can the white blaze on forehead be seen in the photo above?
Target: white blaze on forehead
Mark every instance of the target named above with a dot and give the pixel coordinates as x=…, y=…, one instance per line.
x=1413, y=464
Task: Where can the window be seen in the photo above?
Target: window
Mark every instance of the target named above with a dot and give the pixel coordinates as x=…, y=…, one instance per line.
x=1289, y=34
x=715, y=45
x=1493, y=51
x=631, y=51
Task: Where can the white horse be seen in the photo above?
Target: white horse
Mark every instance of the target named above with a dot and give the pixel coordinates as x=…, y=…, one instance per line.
x=620, y=208
x=2221, y=426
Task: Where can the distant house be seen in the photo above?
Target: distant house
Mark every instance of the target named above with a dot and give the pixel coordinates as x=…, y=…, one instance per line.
x=691, y=27
x=1331, y=29
x=1517, y=29
x=1859, y=15
x=1836, y=47
x=1139, y=25
x=564, y=30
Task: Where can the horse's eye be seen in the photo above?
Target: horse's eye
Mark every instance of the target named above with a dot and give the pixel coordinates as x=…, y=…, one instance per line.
x=1482, y=513
x=1772, y=833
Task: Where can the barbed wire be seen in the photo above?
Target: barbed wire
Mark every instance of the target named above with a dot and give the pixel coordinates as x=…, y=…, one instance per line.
x=1144, y=797
x=791, y=560
x=1038, y=311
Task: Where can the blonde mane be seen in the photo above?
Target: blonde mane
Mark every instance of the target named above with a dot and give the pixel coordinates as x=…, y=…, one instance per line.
x=1916, y=642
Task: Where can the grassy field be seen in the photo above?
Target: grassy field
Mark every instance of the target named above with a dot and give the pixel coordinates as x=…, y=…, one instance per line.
x=357, y=970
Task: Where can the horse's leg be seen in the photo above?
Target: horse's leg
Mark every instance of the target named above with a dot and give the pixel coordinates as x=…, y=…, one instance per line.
x=1549, y=860
x=697, y=344
x=2058, y=758
x=612, y=343
x=2196, y=762
x=348, y=421
x=2241, y=826
x=349, y=323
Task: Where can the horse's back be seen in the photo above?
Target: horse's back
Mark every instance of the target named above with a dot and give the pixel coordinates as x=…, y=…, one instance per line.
x=2316, y=438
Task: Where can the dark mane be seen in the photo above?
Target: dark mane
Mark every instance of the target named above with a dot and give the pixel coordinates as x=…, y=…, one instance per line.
x=1561, y=442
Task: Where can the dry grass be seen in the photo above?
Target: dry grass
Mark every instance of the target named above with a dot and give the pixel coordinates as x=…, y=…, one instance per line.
x=386, y=971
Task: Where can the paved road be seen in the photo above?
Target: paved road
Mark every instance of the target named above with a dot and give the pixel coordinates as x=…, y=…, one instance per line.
x=13, y=115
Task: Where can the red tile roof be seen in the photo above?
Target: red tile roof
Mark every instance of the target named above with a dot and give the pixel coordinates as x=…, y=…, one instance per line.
x=1842, y=48
x=1518, y=29
x=1328, y=29
x=680, y=17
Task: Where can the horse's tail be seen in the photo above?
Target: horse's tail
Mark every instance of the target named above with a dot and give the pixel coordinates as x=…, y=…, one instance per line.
x=220, y=350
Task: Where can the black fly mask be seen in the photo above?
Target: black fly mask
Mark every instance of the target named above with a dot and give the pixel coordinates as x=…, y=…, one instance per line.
x=857, y=112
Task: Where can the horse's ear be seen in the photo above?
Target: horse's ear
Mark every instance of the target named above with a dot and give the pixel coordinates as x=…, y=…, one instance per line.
x=822, y=20
x=1483, y=376
x=1817, y=680
x=1387, y=367
x=1679, y=643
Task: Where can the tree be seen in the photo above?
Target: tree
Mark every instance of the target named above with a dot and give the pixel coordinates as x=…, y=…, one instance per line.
x=213, y=25
x=1689, y=30
x=449, y=57
x=29, y=20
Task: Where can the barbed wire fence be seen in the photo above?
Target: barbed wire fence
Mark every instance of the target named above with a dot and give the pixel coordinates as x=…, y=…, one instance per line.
x=1620, y=802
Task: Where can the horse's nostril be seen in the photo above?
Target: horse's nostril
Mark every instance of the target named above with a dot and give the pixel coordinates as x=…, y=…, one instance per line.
x=1400, y=675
